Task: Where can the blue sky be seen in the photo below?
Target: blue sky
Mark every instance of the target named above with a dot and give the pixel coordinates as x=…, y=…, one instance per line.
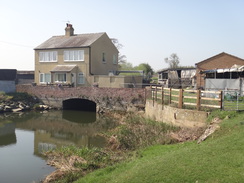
x=150, y=30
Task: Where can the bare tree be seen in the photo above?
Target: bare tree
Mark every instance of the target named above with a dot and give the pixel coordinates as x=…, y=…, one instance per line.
x=173, y=60
x=118, y=45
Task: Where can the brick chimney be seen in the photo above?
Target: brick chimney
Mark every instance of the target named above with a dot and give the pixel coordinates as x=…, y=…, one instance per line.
x=69, y=30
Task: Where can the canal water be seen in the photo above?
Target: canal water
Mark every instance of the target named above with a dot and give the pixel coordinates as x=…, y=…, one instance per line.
x=24, y=136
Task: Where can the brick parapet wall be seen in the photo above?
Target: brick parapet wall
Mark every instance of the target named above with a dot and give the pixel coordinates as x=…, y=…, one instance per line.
x=101, y=96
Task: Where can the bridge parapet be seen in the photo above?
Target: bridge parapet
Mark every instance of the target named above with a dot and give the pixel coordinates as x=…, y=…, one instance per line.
x=106, y=99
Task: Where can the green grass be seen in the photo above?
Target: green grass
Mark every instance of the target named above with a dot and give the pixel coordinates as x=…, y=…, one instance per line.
x=218, y=159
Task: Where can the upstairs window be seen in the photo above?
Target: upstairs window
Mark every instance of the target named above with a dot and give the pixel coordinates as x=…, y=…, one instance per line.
x=74, y=55
x=48, y=56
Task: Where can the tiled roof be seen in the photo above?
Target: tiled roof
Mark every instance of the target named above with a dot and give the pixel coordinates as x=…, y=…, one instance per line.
x=75, y=41
x=219, y=55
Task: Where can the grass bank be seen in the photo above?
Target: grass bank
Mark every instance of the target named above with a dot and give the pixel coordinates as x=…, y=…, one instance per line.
x=217, y=159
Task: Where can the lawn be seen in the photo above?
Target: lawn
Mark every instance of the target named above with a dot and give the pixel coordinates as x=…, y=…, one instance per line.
x=217, y=159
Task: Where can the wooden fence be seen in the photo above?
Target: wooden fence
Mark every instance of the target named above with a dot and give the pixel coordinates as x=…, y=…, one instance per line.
x=183, y=98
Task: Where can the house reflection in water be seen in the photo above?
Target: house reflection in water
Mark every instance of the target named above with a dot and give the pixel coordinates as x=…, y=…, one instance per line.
x=7, y=134
x=64, y=128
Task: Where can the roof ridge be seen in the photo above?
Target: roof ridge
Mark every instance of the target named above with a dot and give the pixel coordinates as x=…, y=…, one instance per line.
x=215, y=56
x=79, y=34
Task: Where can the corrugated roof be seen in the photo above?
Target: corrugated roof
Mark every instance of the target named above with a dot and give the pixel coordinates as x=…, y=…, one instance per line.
x=176, y=69
x=63, y=68
x=75, y=41
x=234, y=68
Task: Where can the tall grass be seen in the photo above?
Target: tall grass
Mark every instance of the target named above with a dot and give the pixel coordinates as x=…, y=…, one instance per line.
x=139, y=132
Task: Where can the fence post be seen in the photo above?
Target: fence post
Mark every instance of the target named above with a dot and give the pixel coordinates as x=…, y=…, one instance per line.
x=162, y=96
x=221, y=99
x=156, y=92
x=180, y=102
x=153, y=96
x=145, y=95
x=198, y=100
x=170, y=96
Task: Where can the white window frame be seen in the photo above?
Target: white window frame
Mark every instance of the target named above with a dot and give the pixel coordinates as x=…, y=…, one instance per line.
x=56, y=77
x=81, y=78
x=73, y=55
x=48, y=56
x=43, y=77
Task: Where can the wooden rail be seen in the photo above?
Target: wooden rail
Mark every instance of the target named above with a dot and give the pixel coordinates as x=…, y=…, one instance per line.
x=185, y=98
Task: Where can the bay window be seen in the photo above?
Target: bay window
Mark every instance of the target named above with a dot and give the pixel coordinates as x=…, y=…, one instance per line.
x=60, y=77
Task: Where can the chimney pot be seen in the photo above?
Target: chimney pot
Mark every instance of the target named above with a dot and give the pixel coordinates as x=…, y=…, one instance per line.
x=69, y=30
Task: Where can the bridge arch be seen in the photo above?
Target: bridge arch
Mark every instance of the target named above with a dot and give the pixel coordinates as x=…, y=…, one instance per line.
x=79, y=104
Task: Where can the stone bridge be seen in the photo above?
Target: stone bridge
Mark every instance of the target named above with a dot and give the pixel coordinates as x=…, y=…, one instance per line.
x=88, y=98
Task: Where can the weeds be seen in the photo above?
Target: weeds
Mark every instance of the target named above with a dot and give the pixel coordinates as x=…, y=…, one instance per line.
x=221, y=114
x=138, y=132
x=73, y=162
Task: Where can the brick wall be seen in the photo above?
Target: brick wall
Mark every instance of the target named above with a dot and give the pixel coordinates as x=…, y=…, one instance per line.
x=105, y=97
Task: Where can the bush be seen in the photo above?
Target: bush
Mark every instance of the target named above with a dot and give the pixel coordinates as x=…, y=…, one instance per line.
x=20, y=96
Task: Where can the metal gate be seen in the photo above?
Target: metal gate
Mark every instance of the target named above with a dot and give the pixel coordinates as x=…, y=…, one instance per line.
x=233, y=100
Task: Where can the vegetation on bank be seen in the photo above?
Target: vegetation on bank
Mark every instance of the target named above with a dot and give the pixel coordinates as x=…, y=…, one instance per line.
x=218, y=159
x=17, y=102
x=14, y=96
x=124, y=142
x=133, y=132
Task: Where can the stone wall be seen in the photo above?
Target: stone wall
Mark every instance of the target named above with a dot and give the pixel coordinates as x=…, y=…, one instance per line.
x=124, y=99
x=175, y=116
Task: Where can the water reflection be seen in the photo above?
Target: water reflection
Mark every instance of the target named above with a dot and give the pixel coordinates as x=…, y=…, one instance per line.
x=79, y=117
x=23, y=136
x=7, y=134
x=58, y=128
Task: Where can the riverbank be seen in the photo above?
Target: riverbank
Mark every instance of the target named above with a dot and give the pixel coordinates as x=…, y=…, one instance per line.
x=19, y=102
x=217, y=159
x=133, y=133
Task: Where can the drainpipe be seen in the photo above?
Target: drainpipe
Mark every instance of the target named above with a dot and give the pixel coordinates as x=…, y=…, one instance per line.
x=90, y=61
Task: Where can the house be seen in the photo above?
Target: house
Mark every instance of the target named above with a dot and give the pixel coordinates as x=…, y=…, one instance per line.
x=79, y=60
x=7, y=80
x=220, y=61
x=177, y=77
